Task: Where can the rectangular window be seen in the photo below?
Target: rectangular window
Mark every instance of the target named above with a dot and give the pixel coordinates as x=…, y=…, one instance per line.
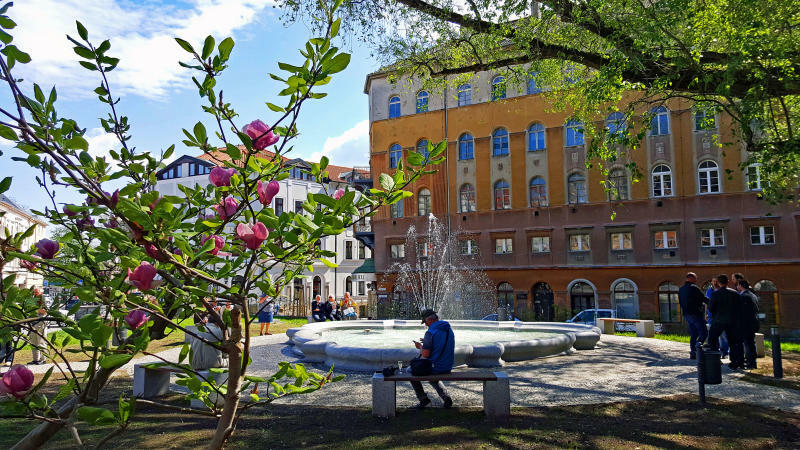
x=540, y=244
x=666, y=239
x=424, y=249
x=278, y=206
x=398, y=251
x=178, y=171
x=298, y=206
x=579, y=243
x=362, y=250
x=762, y=235
x=503, y=245
x=396, y=209
x=712, y=237
x=754, y=182
x=362, y=288
x=348, y=250
x=191, y=169
x=468, y=247
x=621, y=241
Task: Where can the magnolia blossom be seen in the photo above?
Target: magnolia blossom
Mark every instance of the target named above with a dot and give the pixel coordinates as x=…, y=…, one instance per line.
x=84, y=223
x=221, y=177
x=68, y=212
x=267, y=192
x=47, y=249
x=227, y=208
x=142, y=277
x=219, y=242
x=151, y=251
x=112, y=199
x=338, y=194
x=252, y=234
x=111, y=223
x=17, y=381
x=261, y=134
x=136, y=318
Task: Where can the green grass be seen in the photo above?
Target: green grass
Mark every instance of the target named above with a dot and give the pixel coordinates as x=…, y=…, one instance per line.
x=793, y=347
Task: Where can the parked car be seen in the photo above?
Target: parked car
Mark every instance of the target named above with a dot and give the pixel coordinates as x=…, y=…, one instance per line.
x=589, y=316
x=494, y=318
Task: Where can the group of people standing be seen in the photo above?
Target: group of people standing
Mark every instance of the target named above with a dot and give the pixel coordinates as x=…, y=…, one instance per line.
x=330, y=309
x=723, y=315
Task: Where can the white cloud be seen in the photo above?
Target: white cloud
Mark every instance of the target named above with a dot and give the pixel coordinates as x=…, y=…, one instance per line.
x=350, y=148
x=101, y=142
x=141, y=33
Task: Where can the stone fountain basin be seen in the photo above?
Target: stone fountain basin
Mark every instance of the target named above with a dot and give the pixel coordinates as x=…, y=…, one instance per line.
x=310, y=342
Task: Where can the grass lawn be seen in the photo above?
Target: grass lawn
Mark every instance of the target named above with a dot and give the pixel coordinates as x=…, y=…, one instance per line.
x=668, y=422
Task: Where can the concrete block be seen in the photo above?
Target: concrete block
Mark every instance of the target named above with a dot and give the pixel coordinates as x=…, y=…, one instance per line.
x=606, y=326
x=220, y=379
x=761, y=350
x=149, y=383
x=383, y=397
x=497, y=397
x=488, y=355
x=645, y=328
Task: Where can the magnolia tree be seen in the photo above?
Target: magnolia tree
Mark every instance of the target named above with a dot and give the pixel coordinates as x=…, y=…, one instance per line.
x=150, y=262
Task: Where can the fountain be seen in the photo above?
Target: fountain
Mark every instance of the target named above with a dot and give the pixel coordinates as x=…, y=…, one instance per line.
x=452, y=284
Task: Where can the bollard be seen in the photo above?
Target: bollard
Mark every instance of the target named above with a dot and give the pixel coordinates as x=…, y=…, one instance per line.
x=777, y=363
x=701, y=365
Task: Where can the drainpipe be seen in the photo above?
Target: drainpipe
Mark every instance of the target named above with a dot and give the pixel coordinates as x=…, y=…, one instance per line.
x=447, y=167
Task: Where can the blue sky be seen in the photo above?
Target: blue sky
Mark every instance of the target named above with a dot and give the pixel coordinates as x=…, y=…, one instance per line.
x=158, y=96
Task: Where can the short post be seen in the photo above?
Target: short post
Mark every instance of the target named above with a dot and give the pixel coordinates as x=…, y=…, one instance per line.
x=701, y=373
x=777, y=363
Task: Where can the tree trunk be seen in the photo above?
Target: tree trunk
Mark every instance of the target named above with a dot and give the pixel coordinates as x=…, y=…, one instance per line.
x=234, y=350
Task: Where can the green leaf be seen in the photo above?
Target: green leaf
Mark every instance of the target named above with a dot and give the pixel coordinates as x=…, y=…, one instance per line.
x=115, y=360
x=7, y=23
x=338, y=63
x=200, y=132
x=82, y=32
x=77, y=142
x=208, y=47
x=335, y=27
x=5, y=37
x=225, y=47
x=233, y=151
x=185, y=45
x=87, y=65
x=386, y=182
x=328, y=263
x=96, y=416
x=83, y=52
x=168, y=152
x=274, y=107
x=65, y=390
x=5, y=184
x=8, y=133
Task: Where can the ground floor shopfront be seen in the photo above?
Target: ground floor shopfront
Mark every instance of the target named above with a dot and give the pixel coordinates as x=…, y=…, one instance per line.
x=651, y=292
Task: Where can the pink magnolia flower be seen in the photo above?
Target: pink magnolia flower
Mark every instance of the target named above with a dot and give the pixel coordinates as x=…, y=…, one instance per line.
x=84, y=223
x=221, y=177
x=112, y=199
x=261, y=134
x=67, y=211
x=111, y=223
x=136, y=318
x=227, y=208
x=338, y=194
x=267, y=192
x=16, y=381
x=252, y=234
x=47, y=249
x=219, y=242
x=151, y=251
x=142, y=277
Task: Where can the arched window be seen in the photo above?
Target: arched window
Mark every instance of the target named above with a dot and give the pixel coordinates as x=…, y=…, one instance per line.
x=616, y=124
x=502, y=195
x=659, y=124
x=348, y=284
x=396, y=209
x=424, y=202
x=505, y=295
x=466, y=198
x=574, y=133
x=618, y=184
x=533, y=86
x=576, y=189
x=394, y=107
x=581, y=297
x=704, y=119
x=464, y=95
x=422, y=101
x=466, y=147
x=767, y=294
x=662, y=181
x=708, y=177
x=543, y=302
x=395, y=155
x=538, y=192
x=536, y=137
x=625, y=301
x=498, y=88
x=668, y=302
x=422, y=147
x=317, y=286
x=500, y=142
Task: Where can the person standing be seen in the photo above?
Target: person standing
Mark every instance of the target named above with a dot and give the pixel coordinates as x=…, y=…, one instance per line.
x=438, y=345
x=723, y=338
x=7, y=351
x=264, y=315
x=748, y=323
x=317, y=312
x=38, y=335
x=725, y=307
x=692, y=303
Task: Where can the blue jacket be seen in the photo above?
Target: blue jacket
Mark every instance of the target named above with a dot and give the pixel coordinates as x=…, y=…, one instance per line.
x=440, y=340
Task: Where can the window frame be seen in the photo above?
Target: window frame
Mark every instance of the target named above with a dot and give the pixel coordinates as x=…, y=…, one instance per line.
x=707, y=176
x=466, y=90
x=471, y=201
x=673, y=304
x=423, y=99
x=396, y=103
x=543, y=244
x=500, y=135
x=471, y=247
x=348, y=249
x=701, y=115
x=619, y=239
x=583, y=242
x=396, y=210
x=506, y=244
x=576, y=189
x=763, y=235
x=422, y=147
x=397, y=251
x=541, y=192
x=532, y=87
x=665, y=239
x=395, y=155
x=536, y=137
x=714, y=235
x=424, y=200
x=504, y=195
x=574, y=134
x=466, y=147
x=626, y=187
x=759, y=183
x=659, y=121
x=497, y=93
x=665, y=178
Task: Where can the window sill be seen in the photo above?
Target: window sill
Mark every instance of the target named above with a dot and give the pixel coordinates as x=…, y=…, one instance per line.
x=761, y=245
x=501, y=155
x=539, y=253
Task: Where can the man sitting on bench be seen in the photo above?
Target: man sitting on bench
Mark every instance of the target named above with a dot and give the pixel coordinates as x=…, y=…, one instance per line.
x=438, y=345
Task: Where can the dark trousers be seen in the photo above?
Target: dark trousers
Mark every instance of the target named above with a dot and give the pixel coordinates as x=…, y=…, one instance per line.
x=749, y=344
x=7, y=352
x=697, y=331
x=318, y=317
x=421, y=395
x=734, y=341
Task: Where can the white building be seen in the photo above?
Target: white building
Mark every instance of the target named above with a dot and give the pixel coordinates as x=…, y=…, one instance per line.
x=352, y=254
x=17, y=220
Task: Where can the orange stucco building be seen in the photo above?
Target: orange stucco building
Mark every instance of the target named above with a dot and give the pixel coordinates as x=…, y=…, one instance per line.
x=516, y=185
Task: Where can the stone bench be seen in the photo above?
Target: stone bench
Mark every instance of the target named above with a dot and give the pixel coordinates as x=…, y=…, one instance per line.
x=151, y=382
x=644, y=328
x=496, y=391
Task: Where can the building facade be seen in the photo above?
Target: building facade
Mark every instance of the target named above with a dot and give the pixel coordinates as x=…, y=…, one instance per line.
x=517, y=191
x=16, y=219
x=351, y=253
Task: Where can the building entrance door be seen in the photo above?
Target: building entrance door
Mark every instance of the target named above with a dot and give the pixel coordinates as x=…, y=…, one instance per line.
x=581, y=297
x=543, y=304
